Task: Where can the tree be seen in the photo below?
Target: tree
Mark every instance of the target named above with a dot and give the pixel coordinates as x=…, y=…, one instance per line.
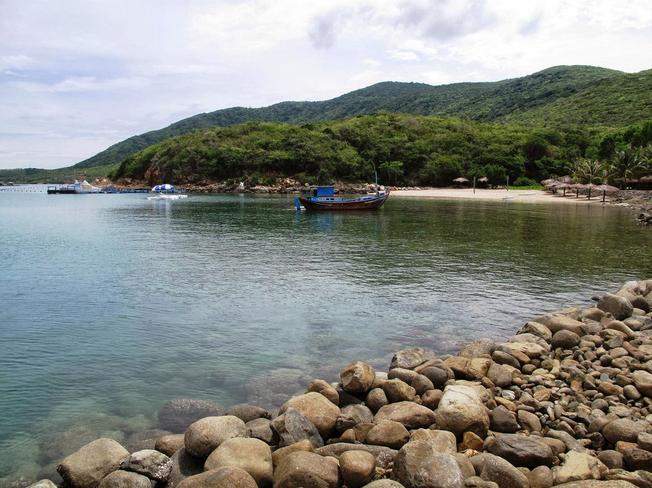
x=393, y=170
x=590, y=171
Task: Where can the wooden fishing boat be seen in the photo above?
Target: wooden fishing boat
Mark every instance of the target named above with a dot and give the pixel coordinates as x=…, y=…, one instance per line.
x=323, y=198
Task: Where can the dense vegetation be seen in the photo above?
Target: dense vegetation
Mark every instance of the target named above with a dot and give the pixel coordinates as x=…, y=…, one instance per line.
x=406, y=149
x=572, y=102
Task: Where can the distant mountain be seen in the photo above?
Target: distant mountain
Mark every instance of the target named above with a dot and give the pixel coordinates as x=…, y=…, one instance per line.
x=558, y=96
x=478, y=101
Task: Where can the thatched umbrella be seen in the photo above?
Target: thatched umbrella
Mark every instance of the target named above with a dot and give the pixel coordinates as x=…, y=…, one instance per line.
x=606, y=189
x=484, y=179
x=547, y=182
x=563, y=186
x=577, y=187
x=461, y=179
x=566, y=179
x=589, y=187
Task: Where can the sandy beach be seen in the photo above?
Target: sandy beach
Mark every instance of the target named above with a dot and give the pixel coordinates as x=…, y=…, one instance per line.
x=532, y=196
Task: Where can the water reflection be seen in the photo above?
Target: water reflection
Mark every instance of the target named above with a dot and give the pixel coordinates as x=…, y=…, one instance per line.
x=111, y=305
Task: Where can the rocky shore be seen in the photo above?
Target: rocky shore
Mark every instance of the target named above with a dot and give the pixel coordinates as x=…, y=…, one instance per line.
x=567, y=401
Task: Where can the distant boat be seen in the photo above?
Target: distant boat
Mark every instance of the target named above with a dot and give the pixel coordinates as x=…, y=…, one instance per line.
x=77, y=188
x=166, y=192
x=323, y=198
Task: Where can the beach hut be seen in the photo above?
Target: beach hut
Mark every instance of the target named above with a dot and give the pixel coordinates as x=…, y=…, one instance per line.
x=563, y=186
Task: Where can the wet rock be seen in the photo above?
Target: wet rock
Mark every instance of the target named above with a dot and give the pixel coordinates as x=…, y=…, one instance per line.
x=316, y=408
x=461, y=409
x=388, y=433
x=122, y=479
x=410, y=414
x=229, y=477
x=419, y=465
x=247, y=412
x=476, y=349
x=250, y=455
x=500, y=375
x=398, y=391
x=501, y=472
x=421, y=384
x=274, y=387
x=306, y=469
x=357, y=468
x=357, y=378
x=176, y=415
x=169, y=444
x=537, y=329
x=579, y=466
x=384, y=484
x=616, y=305
x=611, y=459
x=293, y=427
x=205, y=435
x=520, y=450
x=437, y=376
x=86, y=467
x=150, y=463
x=261, y=429
x=183, y=466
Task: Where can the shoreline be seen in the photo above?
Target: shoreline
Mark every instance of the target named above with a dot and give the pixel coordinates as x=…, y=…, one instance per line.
x=566, y=399
x=513, y=195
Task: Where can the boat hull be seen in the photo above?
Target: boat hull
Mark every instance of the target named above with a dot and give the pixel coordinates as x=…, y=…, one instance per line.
x=343, y=205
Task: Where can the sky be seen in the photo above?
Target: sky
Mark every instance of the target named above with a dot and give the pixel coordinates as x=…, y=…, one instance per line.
x=79, y=75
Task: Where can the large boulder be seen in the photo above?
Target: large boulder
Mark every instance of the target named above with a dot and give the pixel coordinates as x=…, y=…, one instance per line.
x=442, y=440
x=183, y=466
x=151, y=463
x=293, y=427
x=86, y=467
x=388, y=433
x=251, y=455
x=398, y=391
x=643, y=381
x=410, y=414
x=169, y=444
x=419, y=465
x=262, y=429
x=303, y=469
x=461, y=409
x=357, y=378
x=411, y=358
x=502, y=473
x=520, y=450
x=618, y=306
x=228, y=477
x=247, y=412
x=205, y=435
x=176, y=415
x=357, y=468
x=122, y=479
x=579, y=466
x=623, y=430
x=317, y=408
x=557, y=322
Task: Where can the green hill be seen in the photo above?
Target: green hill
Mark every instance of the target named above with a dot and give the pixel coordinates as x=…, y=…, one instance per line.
x=556, y=97
x=478, y=101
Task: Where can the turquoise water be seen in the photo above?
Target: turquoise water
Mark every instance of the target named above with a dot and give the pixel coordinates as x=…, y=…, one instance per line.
x=112, y=304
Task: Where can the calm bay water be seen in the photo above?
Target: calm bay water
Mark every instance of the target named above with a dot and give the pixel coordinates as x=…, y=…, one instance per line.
x=112, y=304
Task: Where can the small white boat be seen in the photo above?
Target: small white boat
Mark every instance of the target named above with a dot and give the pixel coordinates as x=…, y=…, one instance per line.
x=166, y=192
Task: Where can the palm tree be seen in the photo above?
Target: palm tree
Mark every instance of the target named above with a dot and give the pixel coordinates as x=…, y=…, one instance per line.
x=627, y=162
x=590, y=171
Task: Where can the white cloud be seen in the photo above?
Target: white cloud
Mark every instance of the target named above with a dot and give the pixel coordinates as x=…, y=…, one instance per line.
x=91, y=73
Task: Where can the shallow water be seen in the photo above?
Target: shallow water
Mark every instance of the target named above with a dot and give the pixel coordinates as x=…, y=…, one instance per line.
x=112, y=304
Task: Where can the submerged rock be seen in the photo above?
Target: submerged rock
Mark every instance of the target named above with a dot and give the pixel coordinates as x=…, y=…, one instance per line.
x=176, y=415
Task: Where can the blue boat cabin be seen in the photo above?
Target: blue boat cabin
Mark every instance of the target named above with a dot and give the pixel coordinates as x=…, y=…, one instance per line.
x=321, y=191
